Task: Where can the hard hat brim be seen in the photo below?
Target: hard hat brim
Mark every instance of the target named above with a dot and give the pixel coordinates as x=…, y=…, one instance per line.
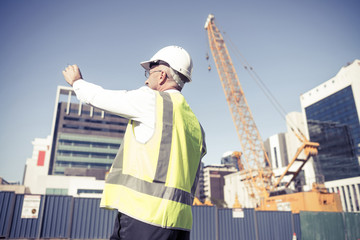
x=146, y=64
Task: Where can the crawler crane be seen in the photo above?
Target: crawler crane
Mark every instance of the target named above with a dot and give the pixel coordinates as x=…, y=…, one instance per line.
x=253, y=159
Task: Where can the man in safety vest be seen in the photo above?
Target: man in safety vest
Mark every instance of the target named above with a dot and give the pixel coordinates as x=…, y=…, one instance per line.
x=154, y=175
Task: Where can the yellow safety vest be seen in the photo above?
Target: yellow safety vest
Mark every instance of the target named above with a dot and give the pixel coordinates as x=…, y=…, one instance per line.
x=155, y=182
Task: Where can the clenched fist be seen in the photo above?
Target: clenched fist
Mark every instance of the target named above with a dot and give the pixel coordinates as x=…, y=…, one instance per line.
x=71, y=74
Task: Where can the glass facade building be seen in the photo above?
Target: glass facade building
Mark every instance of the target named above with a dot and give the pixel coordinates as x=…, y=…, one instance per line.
x=337, y=157
x=338, y=108
x=332, y=115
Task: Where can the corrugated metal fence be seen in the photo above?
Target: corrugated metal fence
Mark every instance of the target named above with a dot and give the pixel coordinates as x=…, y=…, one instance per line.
x=81, y=218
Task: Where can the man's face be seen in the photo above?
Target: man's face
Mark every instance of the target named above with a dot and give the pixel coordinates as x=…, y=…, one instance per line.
x=154, y=78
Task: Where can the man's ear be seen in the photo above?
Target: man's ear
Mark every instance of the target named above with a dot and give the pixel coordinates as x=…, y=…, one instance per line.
x=162, y=78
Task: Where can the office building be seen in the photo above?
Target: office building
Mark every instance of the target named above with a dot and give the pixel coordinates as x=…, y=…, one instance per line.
x=276, y=150
x=349, y=190
x=332, y=109
x=229, y=159
x=200, y=192
x=240, y=189
x=214, y=181
x=85, y=140
x=295, y=124
x=336, y=157
x=76, y=157
x=6, y=186
x=38, y=164
x=275, y=147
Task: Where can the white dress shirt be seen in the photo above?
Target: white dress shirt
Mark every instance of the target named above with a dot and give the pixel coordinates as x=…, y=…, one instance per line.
x=137, y=105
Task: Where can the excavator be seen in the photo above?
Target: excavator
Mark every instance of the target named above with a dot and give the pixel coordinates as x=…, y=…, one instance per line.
x=272, y=193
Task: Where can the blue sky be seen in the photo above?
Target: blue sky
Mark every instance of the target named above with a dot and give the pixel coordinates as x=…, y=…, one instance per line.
x=292, y=45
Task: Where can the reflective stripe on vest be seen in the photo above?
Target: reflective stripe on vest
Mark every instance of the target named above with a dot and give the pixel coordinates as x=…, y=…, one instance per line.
x=148, y=184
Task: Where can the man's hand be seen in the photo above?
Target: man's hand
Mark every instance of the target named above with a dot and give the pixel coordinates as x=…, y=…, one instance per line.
x=71, y=74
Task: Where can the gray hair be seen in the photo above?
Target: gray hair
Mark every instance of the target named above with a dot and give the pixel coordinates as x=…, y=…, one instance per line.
x=176, y=77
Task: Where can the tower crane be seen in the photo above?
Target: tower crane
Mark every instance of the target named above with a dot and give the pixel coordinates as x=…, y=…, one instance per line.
x=253, y=159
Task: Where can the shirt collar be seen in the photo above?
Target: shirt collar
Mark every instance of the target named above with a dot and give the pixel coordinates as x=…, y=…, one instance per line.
x=172, y=91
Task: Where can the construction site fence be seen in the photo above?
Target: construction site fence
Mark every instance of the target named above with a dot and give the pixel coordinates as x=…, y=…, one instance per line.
x=67, y=217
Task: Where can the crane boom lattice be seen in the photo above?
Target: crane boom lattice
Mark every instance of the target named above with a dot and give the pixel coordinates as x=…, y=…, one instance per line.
x=253, y=155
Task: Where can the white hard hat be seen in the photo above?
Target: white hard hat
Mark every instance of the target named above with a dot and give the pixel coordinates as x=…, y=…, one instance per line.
x=177, y=57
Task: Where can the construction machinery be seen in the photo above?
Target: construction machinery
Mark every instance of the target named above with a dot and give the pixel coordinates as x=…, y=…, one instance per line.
x=253, y=158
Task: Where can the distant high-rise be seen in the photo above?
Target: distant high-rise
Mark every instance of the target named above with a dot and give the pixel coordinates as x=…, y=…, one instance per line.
x=85, y=140
x=214, y=181
x=200, y=192
x=229, y=159
x=332, y=109
x=304, y=181
x=275, y=147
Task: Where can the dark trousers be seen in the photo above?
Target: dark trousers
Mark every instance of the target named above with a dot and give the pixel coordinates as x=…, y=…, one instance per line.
x=127, y=228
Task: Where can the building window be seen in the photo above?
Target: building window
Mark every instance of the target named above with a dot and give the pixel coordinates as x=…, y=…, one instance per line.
x=345, y=201
x=93, y=191
x=56, y=191
x=276, y=158
x=356, y=199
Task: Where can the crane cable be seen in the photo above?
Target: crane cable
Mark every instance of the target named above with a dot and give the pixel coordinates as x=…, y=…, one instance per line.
x=254, y=76
x=278, y=107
